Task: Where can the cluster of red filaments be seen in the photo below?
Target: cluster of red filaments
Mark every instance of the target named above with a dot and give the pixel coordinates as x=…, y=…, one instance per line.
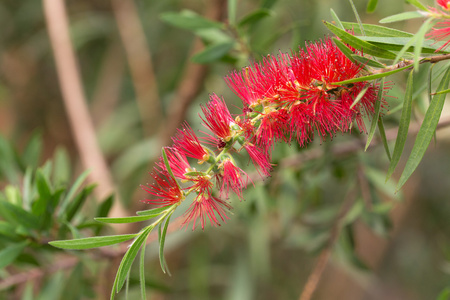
x=441, y=31
x=287, y=97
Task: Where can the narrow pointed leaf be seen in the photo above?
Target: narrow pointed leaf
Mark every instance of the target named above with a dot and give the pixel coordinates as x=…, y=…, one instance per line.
x=153, y=212
x=188, y=20
x=359, y=44
x=336, y=19
x=10, y=253
x=142, y=272
x=376, y=30
x=372, y=77
x=418, y=4
x=426, y=131
x=129, y=257
x=358, y=19
x=402, y=16
x=162, y=240
x=371, y=6
x=232, y=7
x=92, y=242
x=383, y=137
x=255, y=16
x=403, y=126
x=420, y=37
x=131, y=219
x=367, y=61
x=360, y=95
x=376, y=115
x=213, y=52
x=344, y=49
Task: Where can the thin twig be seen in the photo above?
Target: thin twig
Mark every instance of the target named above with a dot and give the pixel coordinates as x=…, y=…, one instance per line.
x=75, y=102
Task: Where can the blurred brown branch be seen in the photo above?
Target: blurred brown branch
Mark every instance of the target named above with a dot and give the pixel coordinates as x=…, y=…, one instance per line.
x=140, y=63
x=75, y=102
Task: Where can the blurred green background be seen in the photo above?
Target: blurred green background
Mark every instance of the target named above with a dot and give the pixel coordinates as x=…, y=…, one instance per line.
x=270, y=244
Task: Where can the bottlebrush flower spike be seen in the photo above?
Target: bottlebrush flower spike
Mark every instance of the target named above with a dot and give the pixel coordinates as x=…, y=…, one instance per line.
x=187, y=142
x=165, y=188
x=177, y=161
x=206, y=206
x=259, y=159
x=217, y=117
x=445, y=4
x=233, y=178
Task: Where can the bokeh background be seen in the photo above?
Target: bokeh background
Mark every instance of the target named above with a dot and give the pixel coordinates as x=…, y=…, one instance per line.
x=141, y=76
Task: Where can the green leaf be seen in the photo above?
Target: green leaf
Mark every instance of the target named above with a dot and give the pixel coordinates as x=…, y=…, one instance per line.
x=371, y=77
x=18, y=215
x=371, y=6
x=68, y=198
x=8, y=230
x=442, y=92
x=129, y=257
x=78, y=201
x=131, y=219
x=444, y=295
x=376, y=115
x=426, y=131
x=402, y=44
x=105, y=207
x=417, y=4
x=344, y=49
x=403, y=126
x=376, y=30
x=358, y=19
x=153, y=212
x=45, y=194
x=420, y=36
x=92, y=242
x=212, y=52
x=360, y=95
x=254, y=17
x=383, y=137
x=188, y=20
x=336, y=19
x=357, y=43
x=142, y=272
x=10, y=253
x=402, y=16
x=367, y=61
x=232, y=7
x=162, y=240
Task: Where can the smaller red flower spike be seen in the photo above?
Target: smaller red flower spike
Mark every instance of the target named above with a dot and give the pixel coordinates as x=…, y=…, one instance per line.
x=259, y=159
x=206, y=206
x=187, y=142
x=217, y=117
x=165, y=188
x=444, y=3
x=441, y=32
x=177, y=161
x=234, y=178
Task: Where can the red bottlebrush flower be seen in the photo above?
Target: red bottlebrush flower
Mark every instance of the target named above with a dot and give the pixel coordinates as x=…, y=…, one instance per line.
x=445, y=4
x=202, y=184
x=317, y=104
x=177, y=162
x=217, y=117
x=165, y=188
x=273, y=128
x=206, y=206
x=259, y=159
x=441, y=32
x=259, y=82
x=187, y=142
x=234, y=178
